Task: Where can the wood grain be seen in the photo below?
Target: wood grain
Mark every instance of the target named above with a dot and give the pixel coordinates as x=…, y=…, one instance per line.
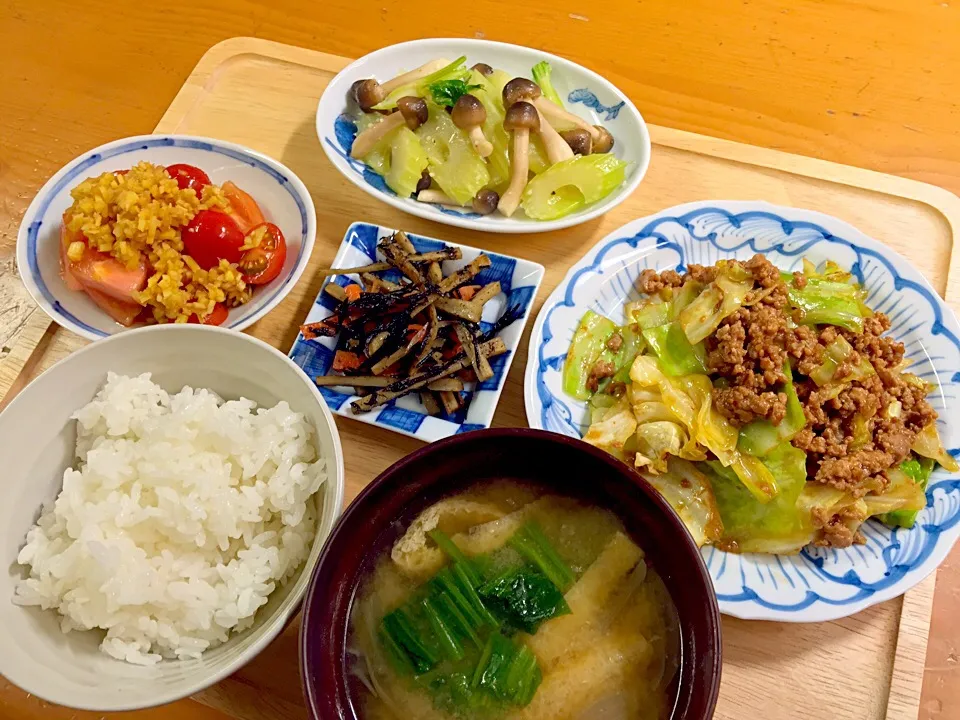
x=867, y=82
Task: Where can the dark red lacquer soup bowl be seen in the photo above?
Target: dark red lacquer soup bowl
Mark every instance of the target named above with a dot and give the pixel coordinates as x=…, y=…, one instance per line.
x=557, y=464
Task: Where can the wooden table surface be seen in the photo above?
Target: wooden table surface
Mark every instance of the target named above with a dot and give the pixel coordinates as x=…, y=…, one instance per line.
x=874, y=83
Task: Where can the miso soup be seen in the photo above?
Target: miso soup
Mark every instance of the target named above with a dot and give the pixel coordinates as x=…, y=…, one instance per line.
x=505, y=602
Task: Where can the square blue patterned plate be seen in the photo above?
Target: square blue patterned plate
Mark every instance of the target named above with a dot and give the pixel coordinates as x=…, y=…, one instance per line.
x=519, y=280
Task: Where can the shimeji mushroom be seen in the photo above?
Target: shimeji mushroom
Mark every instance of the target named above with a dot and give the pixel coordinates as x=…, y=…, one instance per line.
x=521, y=118
x=579, y=140
x=369, y=92
x=413, y=112
x=556, y=114
x=523, y=90
x=469, y=114
x=603, y=143
x=484, y=203
x=483, y=69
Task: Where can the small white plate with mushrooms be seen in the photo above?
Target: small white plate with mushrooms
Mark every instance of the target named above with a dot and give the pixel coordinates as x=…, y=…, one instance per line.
x=483, y=135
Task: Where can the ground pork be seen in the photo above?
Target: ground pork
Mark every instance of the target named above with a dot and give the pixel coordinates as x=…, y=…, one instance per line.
x=852, y=437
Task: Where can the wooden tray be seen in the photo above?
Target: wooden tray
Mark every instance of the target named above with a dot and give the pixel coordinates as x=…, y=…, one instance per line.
x=264, y=95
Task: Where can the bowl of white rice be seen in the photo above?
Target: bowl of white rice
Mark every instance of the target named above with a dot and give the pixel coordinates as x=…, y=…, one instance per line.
x=166, y=494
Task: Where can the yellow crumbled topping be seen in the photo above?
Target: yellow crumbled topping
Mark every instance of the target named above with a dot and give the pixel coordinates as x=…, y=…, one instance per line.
x=140, y=214
x=254, y=238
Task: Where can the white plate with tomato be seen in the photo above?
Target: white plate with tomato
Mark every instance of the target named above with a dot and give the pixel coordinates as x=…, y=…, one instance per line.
x=261, y=231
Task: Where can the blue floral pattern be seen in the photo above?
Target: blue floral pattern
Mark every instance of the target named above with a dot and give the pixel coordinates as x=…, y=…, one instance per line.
x=819, y=583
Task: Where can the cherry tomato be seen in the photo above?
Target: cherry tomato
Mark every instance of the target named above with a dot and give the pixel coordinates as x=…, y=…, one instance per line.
x=189, y=177
x=210, y=236
x=263, y=263
x=243, y=207
x=216, y=316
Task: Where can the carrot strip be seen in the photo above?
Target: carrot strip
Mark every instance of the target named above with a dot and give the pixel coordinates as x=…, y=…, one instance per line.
x=468, y=291
x=346, y=360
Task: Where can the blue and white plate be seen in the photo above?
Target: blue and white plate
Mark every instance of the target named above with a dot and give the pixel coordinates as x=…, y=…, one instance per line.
x=519, y=281
x=584, y=92
x=281, y=195
x=817, y=584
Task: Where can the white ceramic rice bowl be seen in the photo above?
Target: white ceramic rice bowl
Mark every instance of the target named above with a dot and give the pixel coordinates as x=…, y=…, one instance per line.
x=38, y=443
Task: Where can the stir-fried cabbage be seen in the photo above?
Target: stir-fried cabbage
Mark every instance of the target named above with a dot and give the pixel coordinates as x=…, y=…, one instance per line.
x=746, y=489
x=719, y=300
x=830, y=297
x=613, y=428
x=834, y=356
x=928, y=444
x=689, y=493
x=776, y=526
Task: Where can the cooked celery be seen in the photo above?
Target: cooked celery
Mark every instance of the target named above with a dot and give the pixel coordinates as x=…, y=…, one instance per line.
x=454, y=165
x=407, y=162
x=541, y=76
x=571, y=185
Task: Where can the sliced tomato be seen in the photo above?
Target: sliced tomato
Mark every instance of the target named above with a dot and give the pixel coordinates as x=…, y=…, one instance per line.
x=217, y=316
x=105, y=274
x=189, y=177
x=66, y=271
x=210, y=236
x=125, y=313
x=243, y=207
x=263, y=263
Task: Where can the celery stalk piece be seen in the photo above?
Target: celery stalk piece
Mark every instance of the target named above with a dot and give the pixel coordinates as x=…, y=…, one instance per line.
x=407, y=162
x=588, y=346
x=571, y=184
x=453, y=163
x=541, y=76
x=498, y=162
x=421, y=88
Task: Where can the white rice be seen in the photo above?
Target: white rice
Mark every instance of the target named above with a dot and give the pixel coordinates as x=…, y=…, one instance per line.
x=184, y=513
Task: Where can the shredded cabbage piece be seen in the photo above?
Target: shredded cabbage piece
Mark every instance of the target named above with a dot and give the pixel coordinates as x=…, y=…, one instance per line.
x=689, y=493
x=928, y=444
x=719, y=300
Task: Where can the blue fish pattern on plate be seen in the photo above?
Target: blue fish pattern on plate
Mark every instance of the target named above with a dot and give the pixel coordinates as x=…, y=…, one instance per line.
x=818, y=583
x=519, y=280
